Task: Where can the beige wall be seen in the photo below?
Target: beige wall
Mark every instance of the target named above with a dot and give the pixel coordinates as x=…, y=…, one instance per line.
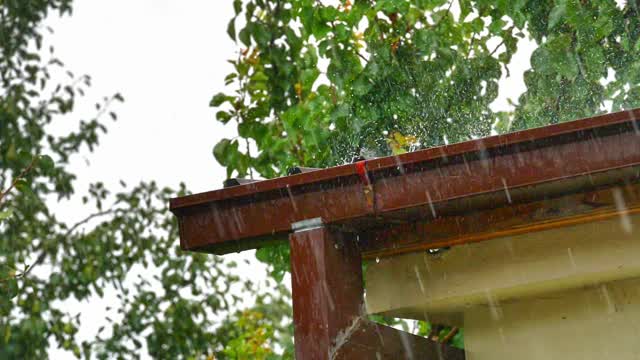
x=524, y=285
x=597, y=323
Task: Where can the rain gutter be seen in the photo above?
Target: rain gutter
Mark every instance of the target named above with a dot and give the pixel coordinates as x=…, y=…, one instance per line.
x=427, y=187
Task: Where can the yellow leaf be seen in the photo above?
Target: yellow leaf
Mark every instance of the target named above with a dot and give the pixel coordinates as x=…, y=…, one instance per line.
x=298, y=89
x=399, y=143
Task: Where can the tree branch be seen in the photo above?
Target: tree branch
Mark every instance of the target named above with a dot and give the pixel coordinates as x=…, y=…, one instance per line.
x=450, y=335
x=496, y=49
x=22, y=174
x=43, y=254
x=362, y=57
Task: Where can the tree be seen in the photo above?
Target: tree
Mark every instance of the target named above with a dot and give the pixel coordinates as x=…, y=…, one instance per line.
x=316, y=84
x=185, y=306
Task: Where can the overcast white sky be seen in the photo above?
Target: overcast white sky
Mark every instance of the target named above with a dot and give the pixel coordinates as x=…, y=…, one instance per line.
x=167, y=57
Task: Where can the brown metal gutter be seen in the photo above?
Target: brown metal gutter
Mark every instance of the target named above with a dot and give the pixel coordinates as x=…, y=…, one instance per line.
x=451, y=180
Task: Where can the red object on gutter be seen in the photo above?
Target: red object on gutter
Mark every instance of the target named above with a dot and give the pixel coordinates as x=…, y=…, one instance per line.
x=361, y=169
x=453, y=179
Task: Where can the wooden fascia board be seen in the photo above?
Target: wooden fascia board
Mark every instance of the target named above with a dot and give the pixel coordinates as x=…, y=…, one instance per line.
x=408, y=187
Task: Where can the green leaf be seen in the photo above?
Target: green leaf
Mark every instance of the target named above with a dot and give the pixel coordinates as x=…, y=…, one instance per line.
x=557, y=15
x=259, y=76
x=221, y=149
x=46, y=164
x=458, y=339
x=245, y=37
x=22, y=185
x=229, y=78
x=595, y=63
x=223, y=116
x=8, y=284
x=231, y=29
x=220, y=99
x=6, y=214
x=496, y=26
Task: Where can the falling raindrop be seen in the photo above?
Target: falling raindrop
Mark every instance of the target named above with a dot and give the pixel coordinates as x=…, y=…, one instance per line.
x=506, y=190
x=404, y=338
x=571, y=259
x=621, y=206
x=494, y=306
x=328, y=295
x=293, y=201
x=502, y=337
x=415, y=268
x=607, y=297
x=426, y=263
x=433, y=209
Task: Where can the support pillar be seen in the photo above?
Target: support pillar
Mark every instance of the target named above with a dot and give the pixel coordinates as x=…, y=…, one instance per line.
x=328, y=311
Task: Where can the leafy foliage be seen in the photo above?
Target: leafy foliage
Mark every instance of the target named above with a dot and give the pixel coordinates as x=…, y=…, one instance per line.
x=317, y=83
x=176, y=305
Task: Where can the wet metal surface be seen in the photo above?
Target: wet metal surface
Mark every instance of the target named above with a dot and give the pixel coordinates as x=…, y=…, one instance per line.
x=414, y=186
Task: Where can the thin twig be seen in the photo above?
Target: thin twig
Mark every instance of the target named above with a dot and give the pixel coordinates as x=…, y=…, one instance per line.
x=450, y=335
x=87, y=219
x=448, y=10
x=362, y=57
x=43, y=254
x=510, y=30
x=496, y=49
x=450, y=4
x=22, y=174
x=473, y=39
